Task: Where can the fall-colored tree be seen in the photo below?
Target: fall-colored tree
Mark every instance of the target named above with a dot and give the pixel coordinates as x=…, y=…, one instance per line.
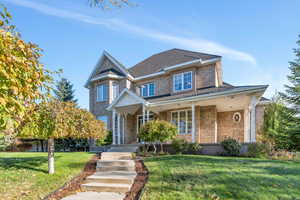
x=23, y=79
x=56, y=119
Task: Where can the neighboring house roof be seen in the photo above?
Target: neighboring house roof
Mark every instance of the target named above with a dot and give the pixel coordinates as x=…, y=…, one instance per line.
x=157, y=62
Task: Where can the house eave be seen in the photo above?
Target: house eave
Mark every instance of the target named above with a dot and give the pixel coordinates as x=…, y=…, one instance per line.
x=254, y=89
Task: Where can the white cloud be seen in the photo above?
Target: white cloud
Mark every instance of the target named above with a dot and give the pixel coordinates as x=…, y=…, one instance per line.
x=197, y=44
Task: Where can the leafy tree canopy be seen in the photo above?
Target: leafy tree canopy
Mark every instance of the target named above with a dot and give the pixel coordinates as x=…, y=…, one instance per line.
x=23, y=79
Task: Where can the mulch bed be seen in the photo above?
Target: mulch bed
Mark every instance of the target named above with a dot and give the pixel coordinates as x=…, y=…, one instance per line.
x=73, y=186
x=139, y=183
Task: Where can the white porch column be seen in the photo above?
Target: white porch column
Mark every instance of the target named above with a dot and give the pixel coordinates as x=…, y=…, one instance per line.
x=114, y=126
x=193, y=124
x=119, y=129
x=124, y=125
x=143, y=114
x=246, y=125
x=253, y=120
x=148, y=113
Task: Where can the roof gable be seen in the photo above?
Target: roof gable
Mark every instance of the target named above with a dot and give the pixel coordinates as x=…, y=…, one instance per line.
x=157, y=62
x=107, y=64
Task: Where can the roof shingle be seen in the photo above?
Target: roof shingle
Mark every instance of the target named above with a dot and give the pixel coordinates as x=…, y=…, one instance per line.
x=157, y=62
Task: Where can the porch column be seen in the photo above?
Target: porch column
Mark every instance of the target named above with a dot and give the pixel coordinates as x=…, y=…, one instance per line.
x=246, y=125
x=148, y=113
x=124, y=126
x=252, y=120
x=119, y=128
x=114, y=126
x=143, y=114
x=193, y=123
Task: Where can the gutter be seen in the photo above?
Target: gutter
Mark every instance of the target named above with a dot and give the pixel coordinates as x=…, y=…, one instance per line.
x=210, y=96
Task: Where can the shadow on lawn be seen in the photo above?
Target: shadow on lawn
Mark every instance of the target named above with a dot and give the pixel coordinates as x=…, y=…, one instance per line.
x=30, y=163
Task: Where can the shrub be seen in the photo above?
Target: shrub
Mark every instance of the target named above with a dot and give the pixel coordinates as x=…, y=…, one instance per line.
x=179, y=145
x=105, y=141
x=157, y=131
x=194, y=147
x=231, y=146
x=258, y=150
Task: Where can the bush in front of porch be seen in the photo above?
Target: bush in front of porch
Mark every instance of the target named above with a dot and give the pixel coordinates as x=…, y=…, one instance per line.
x=157, y=131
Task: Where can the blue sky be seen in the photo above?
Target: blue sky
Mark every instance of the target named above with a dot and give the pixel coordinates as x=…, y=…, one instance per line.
x=255, y=37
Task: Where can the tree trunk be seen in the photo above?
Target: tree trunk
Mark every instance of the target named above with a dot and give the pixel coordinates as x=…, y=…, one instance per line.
x=154, y=148
x=51, y=156
x=161, y=147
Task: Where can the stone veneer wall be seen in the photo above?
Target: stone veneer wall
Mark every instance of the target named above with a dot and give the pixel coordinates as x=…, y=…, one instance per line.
x=259, y=119
x=208, y=117
x=228, y=128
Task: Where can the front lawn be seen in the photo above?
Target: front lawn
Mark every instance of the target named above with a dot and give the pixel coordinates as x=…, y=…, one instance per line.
x=186, y=177
x=24, y=175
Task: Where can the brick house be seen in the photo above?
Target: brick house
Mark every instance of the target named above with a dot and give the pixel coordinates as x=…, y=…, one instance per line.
x=180, y=86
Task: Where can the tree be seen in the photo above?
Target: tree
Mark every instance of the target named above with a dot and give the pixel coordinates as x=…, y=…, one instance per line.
x=64, y=91
x=55, y=119
x=157, y=131
x=279, y=123
x=106, y=4
x=23, y=79
x=292, y=92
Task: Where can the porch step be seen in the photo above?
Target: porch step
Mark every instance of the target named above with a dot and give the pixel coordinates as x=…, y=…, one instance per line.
x=108, y=163
x=116, y=156
x=124, y=148
x=106, y=187
x=120, y=177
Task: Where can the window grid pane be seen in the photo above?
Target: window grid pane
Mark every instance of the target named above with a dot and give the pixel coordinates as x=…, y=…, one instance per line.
x=178, y=82
x=151, y=89
x=187, y=80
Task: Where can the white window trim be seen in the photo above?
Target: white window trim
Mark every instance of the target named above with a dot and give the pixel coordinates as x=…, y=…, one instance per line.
x=148, y=89
x=178, y=119
x=137, y=120
x=98, y=95
x=115, y=84
x=182, y=81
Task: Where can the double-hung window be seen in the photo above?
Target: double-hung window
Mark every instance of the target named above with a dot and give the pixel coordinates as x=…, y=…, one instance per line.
x=147, y=90
x=102, y=92
x=182, y=81
x=115, y=90
x=183, y=121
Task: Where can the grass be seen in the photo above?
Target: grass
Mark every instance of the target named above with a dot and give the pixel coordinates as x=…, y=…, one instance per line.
x=25, y=175
x=186, y=177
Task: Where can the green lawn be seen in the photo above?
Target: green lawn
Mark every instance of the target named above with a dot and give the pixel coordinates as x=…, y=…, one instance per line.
x=24, y=175
x=185, y=177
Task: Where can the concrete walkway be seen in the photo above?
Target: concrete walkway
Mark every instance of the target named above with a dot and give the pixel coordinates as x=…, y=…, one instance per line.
x=114, y=176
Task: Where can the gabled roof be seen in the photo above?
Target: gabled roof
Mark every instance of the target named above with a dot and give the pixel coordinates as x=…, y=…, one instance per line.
x=157, y=62
x=135, y=99
x=114, y=61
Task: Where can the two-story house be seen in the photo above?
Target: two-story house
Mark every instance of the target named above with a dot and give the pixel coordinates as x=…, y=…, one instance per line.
x=179, y=86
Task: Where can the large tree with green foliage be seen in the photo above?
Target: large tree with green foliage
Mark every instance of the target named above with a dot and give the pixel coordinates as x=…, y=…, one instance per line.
x=56, y=119
x=23, y=79
x=64, y=91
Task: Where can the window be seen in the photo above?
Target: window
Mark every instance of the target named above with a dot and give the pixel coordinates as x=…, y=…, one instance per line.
x=102, y=92
x=147, y=90
x=182, y=81
x=115, y=90
x=183, y=120
x=104, y=119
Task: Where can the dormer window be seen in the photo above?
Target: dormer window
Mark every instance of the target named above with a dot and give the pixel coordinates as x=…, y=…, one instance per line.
x=147, y=90
x=182, y=81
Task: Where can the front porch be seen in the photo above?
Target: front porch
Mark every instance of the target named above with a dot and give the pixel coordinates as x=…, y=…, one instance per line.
x=201, y=120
